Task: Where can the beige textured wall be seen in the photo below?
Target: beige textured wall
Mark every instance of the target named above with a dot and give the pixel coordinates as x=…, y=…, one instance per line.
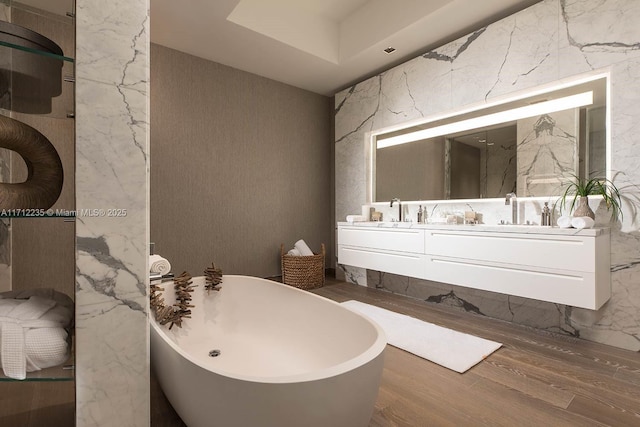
x=239, y=164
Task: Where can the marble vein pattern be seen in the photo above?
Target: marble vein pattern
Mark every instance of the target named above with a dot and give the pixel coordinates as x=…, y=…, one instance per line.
x=112, y=362
x=549, y=41
x=613, y=38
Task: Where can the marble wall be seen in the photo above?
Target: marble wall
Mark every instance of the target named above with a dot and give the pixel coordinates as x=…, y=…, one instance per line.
x=552, y=40
x=112, y=67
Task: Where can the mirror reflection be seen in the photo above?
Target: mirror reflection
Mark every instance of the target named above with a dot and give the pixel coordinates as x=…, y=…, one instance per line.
x=531, y=147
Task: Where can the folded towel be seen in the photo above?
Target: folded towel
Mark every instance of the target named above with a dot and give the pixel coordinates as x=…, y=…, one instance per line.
x=564, y=222
x=356, y=218
x=33, y=333
x=157, y=264
x=302, y=247
x=580, y=222
x=294, y=252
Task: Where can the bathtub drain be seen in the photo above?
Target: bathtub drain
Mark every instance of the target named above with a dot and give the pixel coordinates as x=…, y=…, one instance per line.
x=214, y=353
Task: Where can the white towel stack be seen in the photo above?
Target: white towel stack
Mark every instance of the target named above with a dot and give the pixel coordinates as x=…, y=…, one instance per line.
x=300, y=249
x=159, y=265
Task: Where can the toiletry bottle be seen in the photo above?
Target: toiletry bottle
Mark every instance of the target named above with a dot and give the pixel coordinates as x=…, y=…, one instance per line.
x=546, y=215
x=420, y=215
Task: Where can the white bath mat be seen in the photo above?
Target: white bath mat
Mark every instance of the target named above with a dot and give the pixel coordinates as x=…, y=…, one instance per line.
x=451, y=349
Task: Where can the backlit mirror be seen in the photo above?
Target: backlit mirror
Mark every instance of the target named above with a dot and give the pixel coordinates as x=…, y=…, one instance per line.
x=530, y=145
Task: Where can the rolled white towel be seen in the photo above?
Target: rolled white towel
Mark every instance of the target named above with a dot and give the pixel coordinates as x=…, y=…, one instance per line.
x=294, y=252
x=356, y=218
x=564, y=222
x=302, y=247
x=160, y=265
x=581, y=222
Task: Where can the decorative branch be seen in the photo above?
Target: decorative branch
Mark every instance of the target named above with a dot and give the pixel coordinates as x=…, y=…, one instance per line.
x=156, y=301
x=173, y=314
x=183, y=287
x=213, y=278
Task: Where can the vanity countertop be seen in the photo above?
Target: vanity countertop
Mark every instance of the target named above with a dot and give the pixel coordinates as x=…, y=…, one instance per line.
x=493, y=228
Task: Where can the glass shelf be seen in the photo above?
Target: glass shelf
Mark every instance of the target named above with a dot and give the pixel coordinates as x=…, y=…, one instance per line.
x=64, y=372
x=36, y=51
x=36, y=60
x=33, y=94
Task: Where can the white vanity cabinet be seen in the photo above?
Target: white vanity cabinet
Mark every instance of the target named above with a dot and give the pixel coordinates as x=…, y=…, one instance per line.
x=394, y=250
x=562, y=266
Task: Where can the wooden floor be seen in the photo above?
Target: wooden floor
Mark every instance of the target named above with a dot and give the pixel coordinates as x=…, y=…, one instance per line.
x=535, y=379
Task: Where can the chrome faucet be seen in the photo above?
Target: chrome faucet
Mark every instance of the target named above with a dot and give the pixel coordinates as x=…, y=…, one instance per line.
x=512, y=200
x=400, y=216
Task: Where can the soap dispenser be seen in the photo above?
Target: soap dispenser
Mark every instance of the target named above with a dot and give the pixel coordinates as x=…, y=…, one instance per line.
x=546, y=215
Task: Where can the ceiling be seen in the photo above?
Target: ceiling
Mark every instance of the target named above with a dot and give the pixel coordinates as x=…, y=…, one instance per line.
x=319, y=45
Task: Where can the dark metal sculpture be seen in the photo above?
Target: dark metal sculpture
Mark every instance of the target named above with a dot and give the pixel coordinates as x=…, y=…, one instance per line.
x=45, y=175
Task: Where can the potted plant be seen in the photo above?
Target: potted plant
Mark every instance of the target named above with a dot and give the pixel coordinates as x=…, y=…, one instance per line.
x=579, y=189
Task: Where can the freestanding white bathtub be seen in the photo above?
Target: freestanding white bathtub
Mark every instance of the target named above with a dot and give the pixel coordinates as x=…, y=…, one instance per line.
x=286, y=358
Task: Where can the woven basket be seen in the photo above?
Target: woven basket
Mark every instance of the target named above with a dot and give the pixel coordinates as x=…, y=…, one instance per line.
x=304, y=272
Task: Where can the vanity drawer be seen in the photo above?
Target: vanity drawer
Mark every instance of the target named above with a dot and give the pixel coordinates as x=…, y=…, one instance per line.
x=575, y=288
x=403, y=263
x=392, y=239
x=576, y=253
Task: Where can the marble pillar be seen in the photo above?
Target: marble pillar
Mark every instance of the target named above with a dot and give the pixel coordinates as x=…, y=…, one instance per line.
x=112, y=68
